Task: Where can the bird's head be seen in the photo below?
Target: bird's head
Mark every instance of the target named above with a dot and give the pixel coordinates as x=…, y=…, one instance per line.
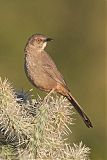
x=38, y=41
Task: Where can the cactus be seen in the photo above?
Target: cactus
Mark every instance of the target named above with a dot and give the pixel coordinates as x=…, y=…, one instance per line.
x=36, y=128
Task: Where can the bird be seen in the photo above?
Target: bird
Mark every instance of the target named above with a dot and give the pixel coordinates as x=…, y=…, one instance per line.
x=44, y=74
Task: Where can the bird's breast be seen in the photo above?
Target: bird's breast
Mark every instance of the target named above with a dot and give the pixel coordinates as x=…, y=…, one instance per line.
x=35, y=73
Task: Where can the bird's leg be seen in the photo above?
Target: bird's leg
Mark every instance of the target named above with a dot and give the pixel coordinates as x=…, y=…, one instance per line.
x=47, y=96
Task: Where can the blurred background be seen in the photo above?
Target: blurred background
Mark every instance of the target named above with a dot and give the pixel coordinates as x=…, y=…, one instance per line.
x=78, y=28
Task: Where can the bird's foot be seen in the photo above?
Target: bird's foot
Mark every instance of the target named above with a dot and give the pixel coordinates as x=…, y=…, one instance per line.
x=48, y=95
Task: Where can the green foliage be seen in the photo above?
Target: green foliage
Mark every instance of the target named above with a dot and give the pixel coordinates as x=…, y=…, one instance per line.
x=35, y=129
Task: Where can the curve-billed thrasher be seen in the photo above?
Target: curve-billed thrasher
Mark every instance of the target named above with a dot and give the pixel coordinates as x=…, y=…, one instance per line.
x=43, y=73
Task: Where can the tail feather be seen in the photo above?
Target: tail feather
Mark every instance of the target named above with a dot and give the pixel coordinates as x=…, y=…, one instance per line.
x=79, y=110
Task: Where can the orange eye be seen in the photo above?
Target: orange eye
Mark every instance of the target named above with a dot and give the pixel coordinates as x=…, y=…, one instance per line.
x=38, y=40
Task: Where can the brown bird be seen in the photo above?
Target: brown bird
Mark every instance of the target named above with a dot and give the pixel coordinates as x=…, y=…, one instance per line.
x=43, y=73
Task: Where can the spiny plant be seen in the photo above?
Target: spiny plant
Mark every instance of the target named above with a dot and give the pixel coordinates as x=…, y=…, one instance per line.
x=36, y=129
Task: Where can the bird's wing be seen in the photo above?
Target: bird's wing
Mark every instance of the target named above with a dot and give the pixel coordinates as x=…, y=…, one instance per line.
x=50, y=68
x=53, y=73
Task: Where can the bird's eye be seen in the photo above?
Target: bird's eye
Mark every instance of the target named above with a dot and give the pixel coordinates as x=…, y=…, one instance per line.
x=38, y=40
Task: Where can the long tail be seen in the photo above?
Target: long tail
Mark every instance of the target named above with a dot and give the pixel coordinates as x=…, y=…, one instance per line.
x=79, y=110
